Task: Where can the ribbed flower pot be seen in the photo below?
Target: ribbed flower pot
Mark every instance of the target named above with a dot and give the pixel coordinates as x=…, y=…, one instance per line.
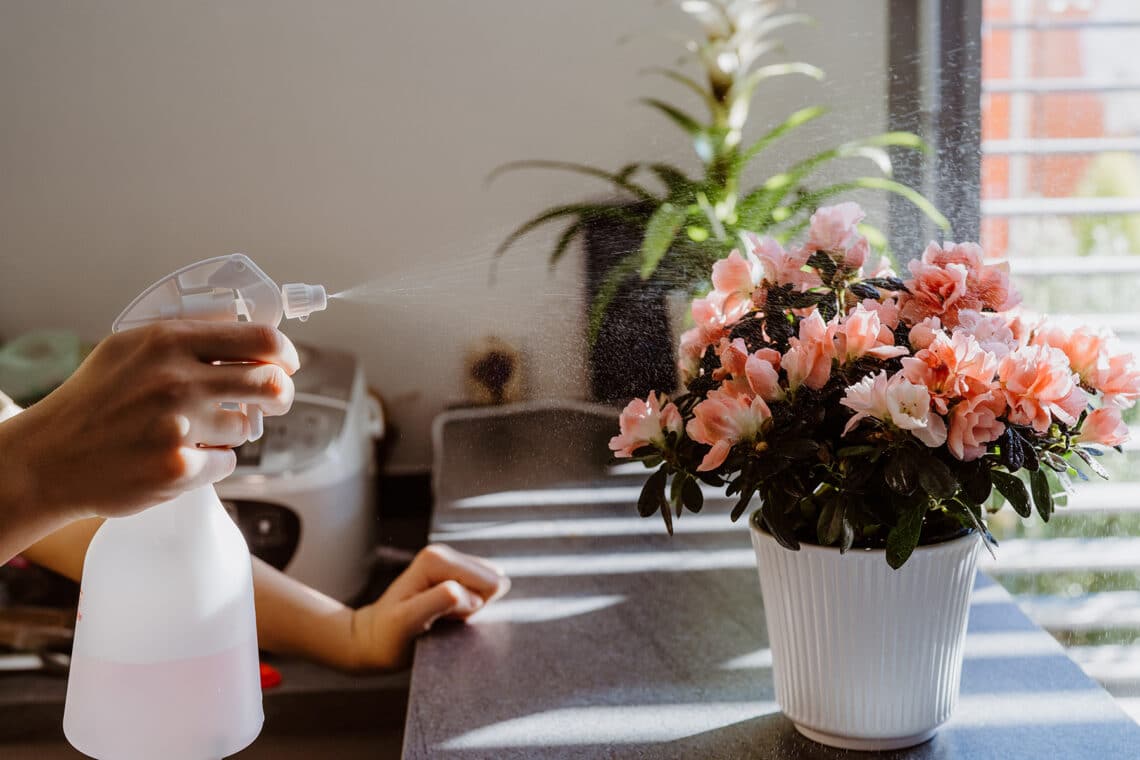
x=866, y=657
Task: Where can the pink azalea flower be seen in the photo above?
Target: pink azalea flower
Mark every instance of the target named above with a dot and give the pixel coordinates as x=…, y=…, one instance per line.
x=862, y=333
x=1086, y=349
x=934, y=292
x=781, y=267
x=1104, y=427
x=734, y=278
x=923, y=333
x=954, y=277
x=645, y=423
x=909, y=407
x=709, y=313
x=808, y=361
x=898, y=402
x=867, y=398
x=887, y=309
x=834, y=231
x=951, y=367
x=974, y=424
x=1039, y=385
x=1119, y=381
x=763, y=372
x=690, y=352
x=992, y=331
x=723, y=420
x=1091, y=357
x=733, y=357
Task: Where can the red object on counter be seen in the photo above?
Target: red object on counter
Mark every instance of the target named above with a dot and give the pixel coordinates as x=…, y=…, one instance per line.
x=270, y=676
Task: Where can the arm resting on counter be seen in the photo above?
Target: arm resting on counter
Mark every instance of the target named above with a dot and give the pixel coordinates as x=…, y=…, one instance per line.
x=294, y=619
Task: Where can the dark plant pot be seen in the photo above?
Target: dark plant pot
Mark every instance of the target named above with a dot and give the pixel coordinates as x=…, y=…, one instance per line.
x=634, y=352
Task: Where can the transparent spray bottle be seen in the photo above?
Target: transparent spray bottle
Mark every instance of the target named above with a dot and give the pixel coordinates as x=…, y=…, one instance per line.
x=165, y=661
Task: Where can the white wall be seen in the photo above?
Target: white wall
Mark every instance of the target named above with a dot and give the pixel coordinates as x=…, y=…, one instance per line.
x=344, y=140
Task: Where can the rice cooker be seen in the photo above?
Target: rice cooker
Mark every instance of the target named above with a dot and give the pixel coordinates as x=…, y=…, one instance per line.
x=304, y=494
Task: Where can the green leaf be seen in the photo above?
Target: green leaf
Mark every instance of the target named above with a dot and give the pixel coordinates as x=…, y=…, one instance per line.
x=742, y=503
x=675, y=491
x=1013, y=489
x=936, y=479
x=797, y=119
x=1093, y=465
x=652, y=494
x=745, y=88
x=590, y=171
x=829, y=527
x=676, y=115
x=713, y=104
x=557, y=212
x=566, y=238
x=680, y=187
x=1042, y=495
x=692, y=495
x=915, y=197
x=615, y=278
x=660, y=232
x=901, y=472
x=779, y=525
x=903, y=538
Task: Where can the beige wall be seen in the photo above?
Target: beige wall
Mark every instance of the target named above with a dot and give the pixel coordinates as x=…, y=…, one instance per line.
x=338, y=141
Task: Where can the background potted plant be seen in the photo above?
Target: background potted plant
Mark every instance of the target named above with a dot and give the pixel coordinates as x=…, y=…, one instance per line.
x=875, y=417
x=665, y=236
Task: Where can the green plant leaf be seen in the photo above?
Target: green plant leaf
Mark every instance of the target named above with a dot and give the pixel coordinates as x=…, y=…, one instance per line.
x=744, y=89
x=676, y=115
x=660, y=232
x=797, y=119
x=557, y=212
x=714, y=106
x=615, y=277
x=652, y=494
x=619, y=179
x=936, y=478
x=692, y=495
x=903, y=538
x=901, y=472
x=1093, y=465
x=829, y=526
x=1042, y=495
x=912, y=195
x=1013, y=489
x=566, y=238
x=681, y=188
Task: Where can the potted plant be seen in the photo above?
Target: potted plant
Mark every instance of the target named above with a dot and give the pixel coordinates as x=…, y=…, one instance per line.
x=664, y=235
x=875, y=417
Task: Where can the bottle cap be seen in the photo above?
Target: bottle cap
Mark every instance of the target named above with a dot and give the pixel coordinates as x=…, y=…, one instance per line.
x=301, y=300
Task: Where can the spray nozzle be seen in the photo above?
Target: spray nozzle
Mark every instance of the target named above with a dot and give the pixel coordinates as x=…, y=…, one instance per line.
x=300, y=300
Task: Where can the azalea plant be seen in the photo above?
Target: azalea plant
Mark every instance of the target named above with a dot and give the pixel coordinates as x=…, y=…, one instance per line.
x=691, y=221
x=874, y=411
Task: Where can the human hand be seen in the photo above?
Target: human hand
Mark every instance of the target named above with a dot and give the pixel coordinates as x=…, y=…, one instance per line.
x=440, y=583
x=139, y=421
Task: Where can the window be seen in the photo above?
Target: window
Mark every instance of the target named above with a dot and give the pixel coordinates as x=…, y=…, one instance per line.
x=1060, y=197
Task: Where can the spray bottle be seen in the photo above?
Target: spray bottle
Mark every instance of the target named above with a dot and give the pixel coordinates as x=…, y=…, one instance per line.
x=165, y=662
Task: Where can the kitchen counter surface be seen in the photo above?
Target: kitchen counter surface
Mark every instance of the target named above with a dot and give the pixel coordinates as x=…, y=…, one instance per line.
x=618, y=641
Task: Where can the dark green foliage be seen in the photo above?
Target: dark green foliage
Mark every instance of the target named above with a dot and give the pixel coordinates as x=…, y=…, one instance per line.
x=688, y=223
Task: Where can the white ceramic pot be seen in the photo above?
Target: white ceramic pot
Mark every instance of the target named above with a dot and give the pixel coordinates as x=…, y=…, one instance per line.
x=866, y=657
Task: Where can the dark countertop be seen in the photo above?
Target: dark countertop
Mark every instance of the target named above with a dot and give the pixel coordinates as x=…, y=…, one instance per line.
x=617, y=641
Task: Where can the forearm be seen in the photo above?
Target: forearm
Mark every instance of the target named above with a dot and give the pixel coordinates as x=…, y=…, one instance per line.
x=24, y=517
x=295, y=619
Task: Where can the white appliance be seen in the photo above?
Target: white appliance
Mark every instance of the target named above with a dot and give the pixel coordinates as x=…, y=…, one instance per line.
x=304, y=494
